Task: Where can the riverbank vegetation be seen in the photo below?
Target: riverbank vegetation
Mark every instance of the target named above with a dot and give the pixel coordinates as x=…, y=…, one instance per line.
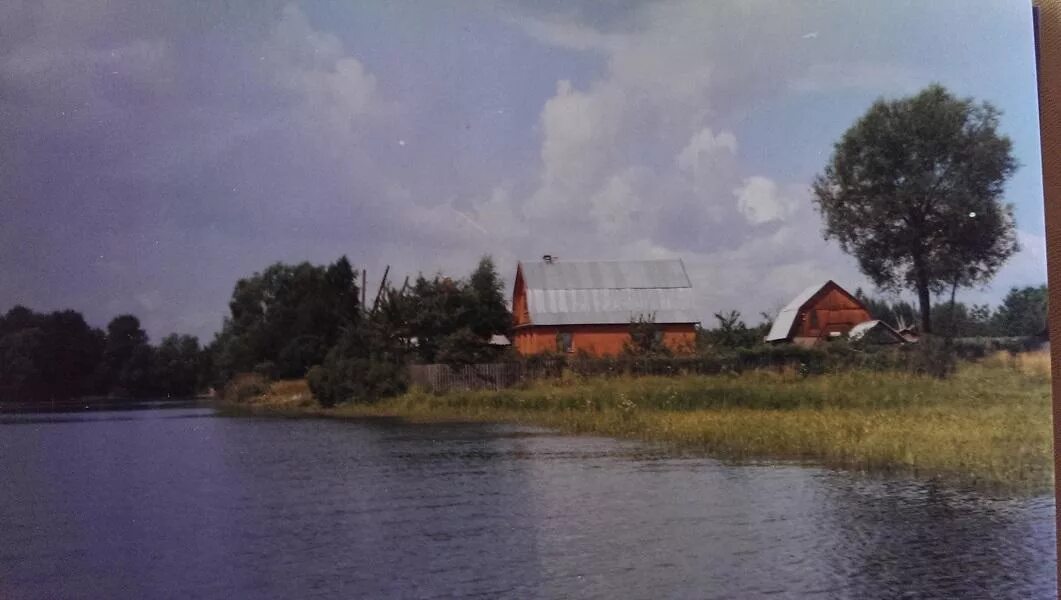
x=987, y=426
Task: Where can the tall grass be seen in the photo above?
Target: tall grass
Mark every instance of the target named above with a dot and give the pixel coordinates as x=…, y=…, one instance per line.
x=988, y=425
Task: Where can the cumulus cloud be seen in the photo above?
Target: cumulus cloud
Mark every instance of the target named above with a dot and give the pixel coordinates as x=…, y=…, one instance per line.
x=759, y=200
x=602, y=190
x=703, y=146
x=314, y=65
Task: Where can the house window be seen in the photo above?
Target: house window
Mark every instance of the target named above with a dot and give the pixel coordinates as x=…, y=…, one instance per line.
x=658, y=336
x=564, y=341
x=813, y=319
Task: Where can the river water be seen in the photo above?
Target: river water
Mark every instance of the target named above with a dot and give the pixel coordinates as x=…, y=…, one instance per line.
x=181, y=503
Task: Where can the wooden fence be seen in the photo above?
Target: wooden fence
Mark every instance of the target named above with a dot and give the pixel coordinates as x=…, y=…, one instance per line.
x=444, y=378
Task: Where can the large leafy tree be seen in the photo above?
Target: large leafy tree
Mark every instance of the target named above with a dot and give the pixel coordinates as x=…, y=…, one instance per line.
x=285, y=319
x=177, y=366
x=1023, y=312
x=128, y=357
x=914, y=192
x=452, y=320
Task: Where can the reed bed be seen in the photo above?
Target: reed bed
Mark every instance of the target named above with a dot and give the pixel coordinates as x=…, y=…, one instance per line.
x=988, y=426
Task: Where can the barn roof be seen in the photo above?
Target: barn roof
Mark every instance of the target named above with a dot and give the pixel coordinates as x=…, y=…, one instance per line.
x=608, y=292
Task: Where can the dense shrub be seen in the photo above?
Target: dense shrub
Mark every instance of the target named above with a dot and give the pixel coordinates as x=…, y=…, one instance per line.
x=363, y=380
x=243, y=387
x=931, y=357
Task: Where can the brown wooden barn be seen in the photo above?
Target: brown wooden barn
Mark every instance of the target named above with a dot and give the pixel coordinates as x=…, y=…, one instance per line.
x=588, y=306
x=817, y=313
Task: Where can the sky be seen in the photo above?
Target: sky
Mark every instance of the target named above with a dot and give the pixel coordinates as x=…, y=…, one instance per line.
x=152, y=153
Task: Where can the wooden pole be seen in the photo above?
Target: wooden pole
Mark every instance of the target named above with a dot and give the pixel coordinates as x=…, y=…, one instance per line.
x=364, y=285
x=1047, y=25
x=382, y=282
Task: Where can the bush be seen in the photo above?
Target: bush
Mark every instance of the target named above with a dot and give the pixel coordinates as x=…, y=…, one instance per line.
x=933, y=356
x=359, y=380
x=243, y=387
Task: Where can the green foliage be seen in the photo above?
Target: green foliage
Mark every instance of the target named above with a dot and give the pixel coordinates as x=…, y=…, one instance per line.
x=959, y=320
x=465, y=347
x=732, y=332
x=897, y=314
x=1023, y=312
x=287, y=315
x=913, y=191
x=58, y=356
x=452, y=320
x=489, y=314
x=177, y=365
x=288, y=319
x=367, y=364
x=45, y=356
x=646, y=338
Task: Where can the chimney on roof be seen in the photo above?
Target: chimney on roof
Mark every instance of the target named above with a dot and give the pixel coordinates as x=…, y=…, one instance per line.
x=548, y=258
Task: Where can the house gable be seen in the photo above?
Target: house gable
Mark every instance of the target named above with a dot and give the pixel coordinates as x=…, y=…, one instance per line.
x=817, y=312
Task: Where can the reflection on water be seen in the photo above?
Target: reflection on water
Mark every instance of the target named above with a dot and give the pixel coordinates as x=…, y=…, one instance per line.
x=179, y=503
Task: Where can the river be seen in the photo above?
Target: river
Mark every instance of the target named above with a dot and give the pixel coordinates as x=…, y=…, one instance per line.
x=182, y=503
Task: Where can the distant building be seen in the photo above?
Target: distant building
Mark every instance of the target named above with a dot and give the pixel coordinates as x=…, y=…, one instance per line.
x=819, y=312
x=572, y=306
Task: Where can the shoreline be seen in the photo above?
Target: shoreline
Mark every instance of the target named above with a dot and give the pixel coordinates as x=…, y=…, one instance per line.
x=988, y=427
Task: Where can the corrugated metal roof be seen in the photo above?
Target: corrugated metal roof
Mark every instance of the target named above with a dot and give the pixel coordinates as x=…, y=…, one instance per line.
x=782, y=326
x=608, y=292
x=860, y=330
x=605, y=274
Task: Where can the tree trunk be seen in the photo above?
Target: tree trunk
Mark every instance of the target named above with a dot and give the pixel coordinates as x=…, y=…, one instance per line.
x=953, y=330
x=924, y=299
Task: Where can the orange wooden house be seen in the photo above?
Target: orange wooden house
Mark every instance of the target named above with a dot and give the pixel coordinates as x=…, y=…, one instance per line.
x=819, y=312
x=588, y=306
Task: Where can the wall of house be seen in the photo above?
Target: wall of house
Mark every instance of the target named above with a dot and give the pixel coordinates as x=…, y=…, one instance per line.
x=833, y=311
x=598, y=340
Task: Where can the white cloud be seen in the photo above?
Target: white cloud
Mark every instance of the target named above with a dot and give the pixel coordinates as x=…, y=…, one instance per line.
x=334, y=86
x=617, y=205
x=759, y=200
x=703, y=146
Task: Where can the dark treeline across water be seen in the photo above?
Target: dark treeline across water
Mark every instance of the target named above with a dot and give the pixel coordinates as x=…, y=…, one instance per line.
x=55, y=357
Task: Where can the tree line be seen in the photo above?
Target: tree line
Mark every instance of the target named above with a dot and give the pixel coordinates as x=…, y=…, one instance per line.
x=287, y=321
x=57, y=356
x=1022, y=313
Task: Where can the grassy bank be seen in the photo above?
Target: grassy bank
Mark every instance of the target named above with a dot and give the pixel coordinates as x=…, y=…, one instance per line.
x=988, y=426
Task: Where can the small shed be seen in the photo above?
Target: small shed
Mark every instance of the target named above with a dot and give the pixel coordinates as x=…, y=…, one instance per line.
x=820, y=312
x=876, y=332
x=588, y=306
